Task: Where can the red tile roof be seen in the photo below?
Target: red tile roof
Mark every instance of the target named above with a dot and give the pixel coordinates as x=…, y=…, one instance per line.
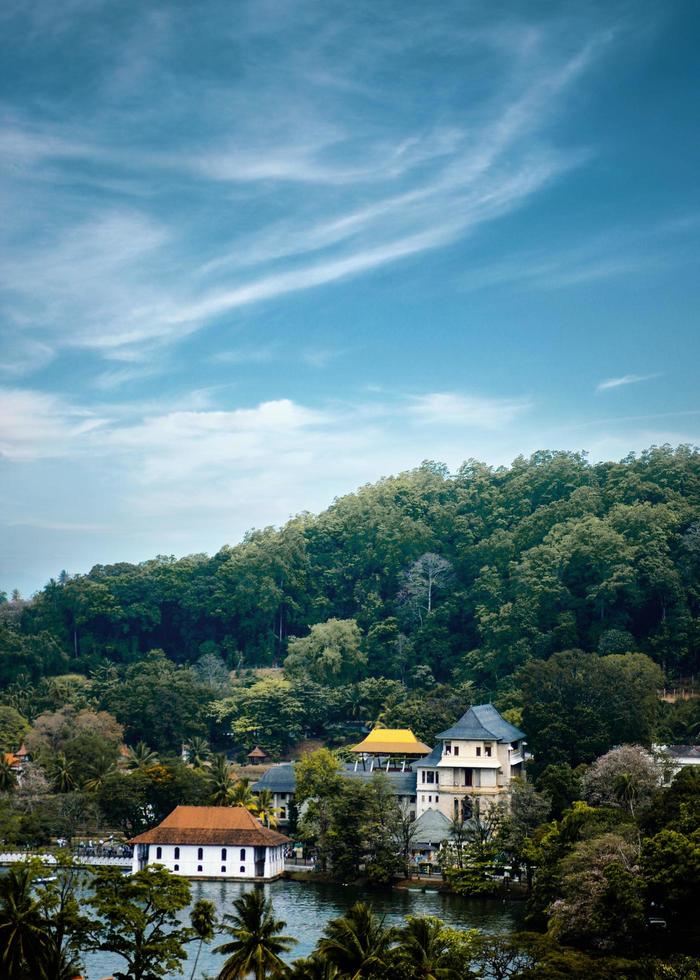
x=211, y=825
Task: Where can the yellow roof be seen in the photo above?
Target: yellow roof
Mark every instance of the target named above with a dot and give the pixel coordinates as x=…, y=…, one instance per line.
x=388, y=740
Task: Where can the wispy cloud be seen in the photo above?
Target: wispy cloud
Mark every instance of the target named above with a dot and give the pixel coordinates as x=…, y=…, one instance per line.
x=625, y=379
x=109, y=277
x=467, y=411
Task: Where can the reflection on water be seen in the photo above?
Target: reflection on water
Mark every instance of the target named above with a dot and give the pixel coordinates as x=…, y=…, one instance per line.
x=307, y=906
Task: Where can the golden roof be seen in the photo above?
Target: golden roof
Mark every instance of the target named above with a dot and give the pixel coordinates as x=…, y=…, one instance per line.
x=391, y=741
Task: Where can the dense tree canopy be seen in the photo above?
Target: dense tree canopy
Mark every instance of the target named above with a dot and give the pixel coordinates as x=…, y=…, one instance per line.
x=481, y=569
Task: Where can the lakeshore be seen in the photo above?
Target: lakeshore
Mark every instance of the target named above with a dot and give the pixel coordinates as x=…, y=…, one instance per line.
x=307, y=907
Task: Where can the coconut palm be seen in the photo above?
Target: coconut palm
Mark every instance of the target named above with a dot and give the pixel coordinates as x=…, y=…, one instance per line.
x=314, y=967
x=8, y=777
x=242, y=795
x=62, y=773
x=357, y=943
x=22, y=932
x=424, y=951
x=99, y=771
x=198, y=752
x=203, y=922
x=265, y=808
x=220, y=781
x=141, y=757
x=257, y=940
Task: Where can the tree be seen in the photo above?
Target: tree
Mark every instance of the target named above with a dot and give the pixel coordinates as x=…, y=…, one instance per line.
x=158, y=702
x=268, y=712
x=141, y=757
x=8, y=777
x=425, y=951
x=528, y=810
x=602, y=903
x=357, y=943
x=330, y=654
x=258, y=940
x=139, y=920
x=265, y=808
x=220, y=781
x=203, y=921
x=13, y=728
x=22, y=925
x=423, y=579
x=243, y=795
x=198, y=752
x=627, y=777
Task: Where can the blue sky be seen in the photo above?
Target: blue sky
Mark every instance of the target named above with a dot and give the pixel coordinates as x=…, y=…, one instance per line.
x=253, y=255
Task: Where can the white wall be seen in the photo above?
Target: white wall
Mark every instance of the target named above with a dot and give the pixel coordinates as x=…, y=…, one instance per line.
x=239, y=861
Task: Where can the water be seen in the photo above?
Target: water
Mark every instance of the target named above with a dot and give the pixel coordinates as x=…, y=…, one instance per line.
x=307, y=906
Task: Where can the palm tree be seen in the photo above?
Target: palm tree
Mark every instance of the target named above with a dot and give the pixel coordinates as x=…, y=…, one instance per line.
x=203, y=922
x=357, y=943
x=100, y=769
x=61, y=772
x=314, y=967
x=257, y=940
x=265, y=808
x=141, y=757
x=198, y=752
x=8, y=777
x=22, y=933
x=220, y=781
x=242, y=795
x=424, y=950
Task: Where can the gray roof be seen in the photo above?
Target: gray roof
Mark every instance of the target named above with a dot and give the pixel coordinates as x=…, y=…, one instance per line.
x=429, y=761
x=681, y=751
x=483, y=723
x=402, y=783
x=432, y=827
x=278, y=779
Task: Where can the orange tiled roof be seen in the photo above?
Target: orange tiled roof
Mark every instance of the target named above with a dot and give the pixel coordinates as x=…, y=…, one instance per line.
x=211, y=825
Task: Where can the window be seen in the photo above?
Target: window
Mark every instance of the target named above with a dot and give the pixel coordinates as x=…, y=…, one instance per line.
x=487, y=750
x=456, y=749
x=437, y=799
x=223, y=869
x=437, y=777
x=478, y=750
x=456, y=809
x=242, y=870
x=223, y=853
x=283, y=813
x=468, y=776
x=430, y=799
x=199, y=867
x=243, y=854
x=422, y=776
x=176, y=867
x=200, y=853
x=159, y=853
x=430, y=778
x=448, y=748
x=176, y=854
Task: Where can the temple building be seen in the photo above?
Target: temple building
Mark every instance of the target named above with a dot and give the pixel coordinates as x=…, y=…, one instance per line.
x=474, y=760
x=212, y=842
x=281, y=782
x=389, y=748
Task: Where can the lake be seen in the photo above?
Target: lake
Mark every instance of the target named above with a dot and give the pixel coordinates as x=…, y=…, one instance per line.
x=307, y=906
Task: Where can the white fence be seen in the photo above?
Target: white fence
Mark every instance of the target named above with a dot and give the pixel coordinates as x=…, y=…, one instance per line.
x=81, y=861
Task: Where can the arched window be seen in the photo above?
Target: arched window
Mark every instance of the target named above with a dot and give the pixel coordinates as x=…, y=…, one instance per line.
x=223, y=853
x=243, y=854
x=177, y=853
x=159, y=853
x=200, y=853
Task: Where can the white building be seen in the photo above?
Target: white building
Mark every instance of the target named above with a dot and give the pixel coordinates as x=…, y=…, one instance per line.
x=475, y=760
x=212, y=842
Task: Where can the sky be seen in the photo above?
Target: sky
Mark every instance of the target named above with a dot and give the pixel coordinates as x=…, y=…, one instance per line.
x=254, y=255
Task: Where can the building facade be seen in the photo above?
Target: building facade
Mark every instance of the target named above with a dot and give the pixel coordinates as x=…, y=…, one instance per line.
x=212, y=842
x=473, y=762
x=281, y=782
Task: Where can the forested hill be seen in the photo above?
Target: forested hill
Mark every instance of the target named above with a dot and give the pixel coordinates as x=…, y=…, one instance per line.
x=469, y=574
